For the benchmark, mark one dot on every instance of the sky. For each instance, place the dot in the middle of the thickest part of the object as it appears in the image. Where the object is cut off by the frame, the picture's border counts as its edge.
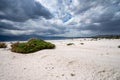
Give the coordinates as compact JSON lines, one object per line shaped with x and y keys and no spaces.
{"x":68,"y":18}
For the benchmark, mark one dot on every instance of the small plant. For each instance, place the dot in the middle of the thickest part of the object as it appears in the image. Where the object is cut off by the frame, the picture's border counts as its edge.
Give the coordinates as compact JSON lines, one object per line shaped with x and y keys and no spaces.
{"x":119,"y":46}
{"x":82,"y":43}
{"x":70,"y":44}
{"x":3,"y":45}
{"x":32,"y":45}
{"x":72,"y":74}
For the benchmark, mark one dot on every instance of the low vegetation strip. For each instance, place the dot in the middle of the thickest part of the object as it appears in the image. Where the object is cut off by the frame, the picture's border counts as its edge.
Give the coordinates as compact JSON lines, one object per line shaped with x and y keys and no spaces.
{"x":3,"y":45}
{"x":32,"y":45}
{"x":69,"y":44}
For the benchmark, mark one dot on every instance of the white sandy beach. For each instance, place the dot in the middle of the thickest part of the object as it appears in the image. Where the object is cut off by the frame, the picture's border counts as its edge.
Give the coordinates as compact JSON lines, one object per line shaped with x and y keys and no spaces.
{"x":95,"y":60}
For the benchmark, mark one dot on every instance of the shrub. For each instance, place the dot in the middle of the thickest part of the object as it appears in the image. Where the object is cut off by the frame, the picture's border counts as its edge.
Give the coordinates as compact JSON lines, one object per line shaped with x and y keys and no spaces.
{"x":82,"y":43}
{"x":70,"y":44}
{"x":32,"y":45}
{"x":119,"y":46}
{"x":3,"y":45}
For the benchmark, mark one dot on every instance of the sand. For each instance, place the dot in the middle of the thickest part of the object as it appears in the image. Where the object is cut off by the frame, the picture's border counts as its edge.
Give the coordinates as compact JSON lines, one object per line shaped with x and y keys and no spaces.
{"x":94,"y":60}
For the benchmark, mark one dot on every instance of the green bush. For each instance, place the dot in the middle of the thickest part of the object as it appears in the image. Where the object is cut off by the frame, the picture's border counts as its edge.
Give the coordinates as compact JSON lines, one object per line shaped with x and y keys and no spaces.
{"x":32,"y":45}
{"x":70,"y":44}
{"x":3,"y":45}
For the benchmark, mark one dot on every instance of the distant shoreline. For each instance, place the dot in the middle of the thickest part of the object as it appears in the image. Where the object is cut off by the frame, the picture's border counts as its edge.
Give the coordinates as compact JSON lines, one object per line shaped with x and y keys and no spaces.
{"x":10,"y":38}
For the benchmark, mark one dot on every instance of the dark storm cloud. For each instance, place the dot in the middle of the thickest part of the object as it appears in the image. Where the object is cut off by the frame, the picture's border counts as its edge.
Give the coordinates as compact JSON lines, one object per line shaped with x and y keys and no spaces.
{"x":104,"y":16}
{"x":107,"y":27}
{"x":112,"y":26}
{"x":7,"y":26}
{"x":22,"y":10}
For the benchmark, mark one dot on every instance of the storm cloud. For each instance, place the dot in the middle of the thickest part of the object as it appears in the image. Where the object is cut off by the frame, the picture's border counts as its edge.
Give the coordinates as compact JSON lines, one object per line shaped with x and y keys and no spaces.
{"x":68,"y":18}
{"x":22,"y":10}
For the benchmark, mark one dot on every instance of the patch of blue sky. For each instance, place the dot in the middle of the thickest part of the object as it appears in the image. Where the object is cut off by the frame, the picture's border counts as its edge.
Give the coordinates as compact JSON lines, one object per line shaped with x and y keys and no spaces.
{"x":67,"y":17}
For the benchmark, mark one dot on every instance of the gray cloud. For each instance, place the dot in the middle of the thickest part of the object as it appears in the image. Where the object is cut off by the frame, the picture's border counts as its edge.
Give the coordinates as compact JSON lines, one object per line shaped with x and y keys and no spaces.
{"x":5,"y":26}
{"x":103,"y":16}
{"x":8,"y":26}
{"x":22,"y":10}
{"x":85,"y":5}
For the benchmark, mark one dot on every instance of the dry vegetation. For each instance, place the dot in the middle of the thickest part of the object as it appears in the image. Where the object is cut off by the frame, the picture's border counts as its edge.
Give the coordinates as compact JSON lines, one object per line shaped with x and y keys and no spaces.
{"x":3,"y":45}
{"x":119,"y":46}
{"x":70,"y":44}
{"x":82,"y":43}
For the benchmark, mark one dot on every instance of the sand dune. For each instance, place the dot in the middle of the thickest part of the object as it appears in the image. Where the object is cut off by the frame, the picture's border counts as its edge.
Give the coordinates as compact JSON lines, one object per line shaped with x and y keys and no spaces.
{"x":94,"y":60}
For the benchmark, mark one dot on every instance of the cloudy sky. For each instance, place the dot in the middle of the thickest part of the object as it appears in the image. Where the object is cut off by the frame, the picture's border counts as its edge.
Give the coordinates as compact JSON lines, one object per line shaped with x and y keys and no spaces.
{"x":69,"y":18}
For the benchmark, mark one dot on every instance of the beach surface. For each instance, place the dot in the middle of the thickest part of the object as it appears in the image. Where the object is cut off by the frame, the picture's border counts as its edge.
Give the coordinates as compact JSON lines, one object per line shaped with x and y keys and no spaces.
{"x":86,"y":59}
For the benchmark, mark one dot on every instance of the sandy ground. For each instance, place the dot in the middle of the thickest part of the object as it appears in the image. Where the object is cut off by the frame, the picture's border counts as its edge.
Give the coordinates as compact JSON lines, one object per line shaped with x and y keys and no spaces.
{"x":95,"y":60}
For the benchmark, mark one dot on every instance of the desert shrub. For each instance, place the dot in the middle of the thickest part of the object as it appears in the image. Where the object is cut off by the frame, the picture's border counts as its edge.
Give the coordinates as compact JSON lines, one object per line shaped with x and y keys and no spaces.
{"x":32,"y":45}
{"x":119,"y":46}
{"x":70,"y":44}
{"x":3,"y":45}
{"x":82,"y":43}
